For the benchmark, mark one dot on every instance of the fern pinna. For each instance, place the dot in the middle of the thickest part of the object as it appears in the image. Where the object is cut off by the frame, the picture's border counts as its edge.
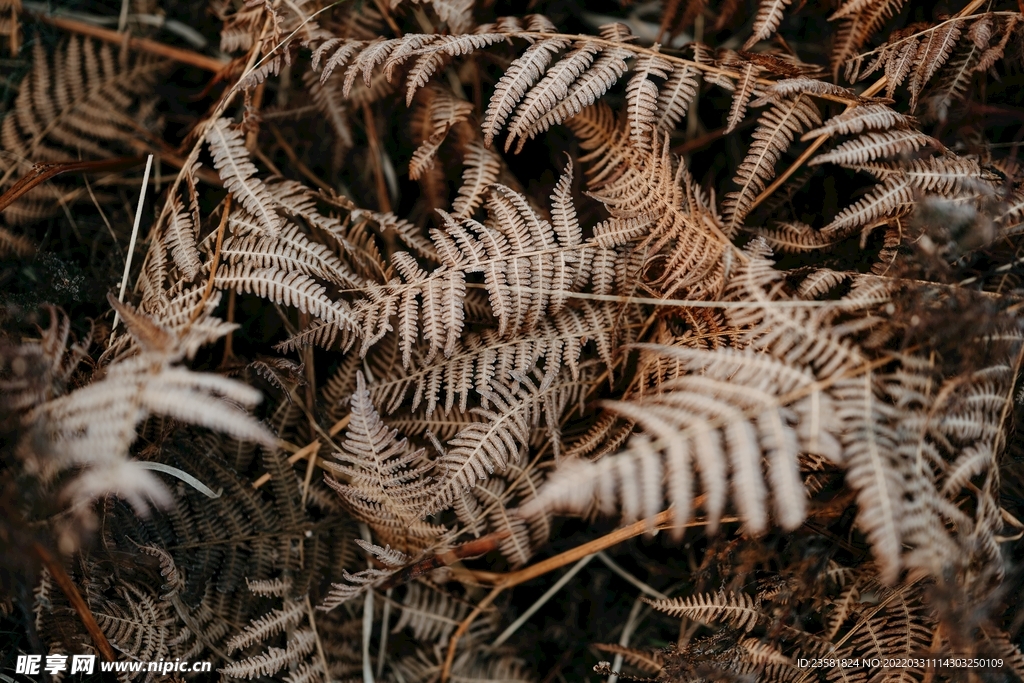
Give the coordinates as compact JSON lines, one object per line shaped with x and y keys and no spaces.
{"x":523,"y":288}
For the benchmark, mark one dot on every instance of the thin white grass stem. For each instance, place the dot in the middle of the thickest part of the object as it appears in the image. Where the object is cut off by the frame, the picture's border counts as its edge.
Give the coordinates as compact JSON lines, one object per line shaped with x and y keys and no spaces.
{"x":514,"y":626}
{"x":135,"y":234}
{"x":364,"y":531}
{"x":615,"y":567}
{"x":385,"y":618}
{"x":627,"y":632}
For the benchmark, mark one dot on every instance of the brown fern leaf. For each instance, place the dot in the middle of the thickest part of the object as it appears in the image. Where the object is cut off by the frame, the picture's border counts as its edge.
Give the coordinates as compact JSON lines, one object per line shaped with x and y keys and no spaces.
{"x":675,"y":97}
{"x":776,"y":130}
{"x":180,"y":239}
{"x":769,"y":16}
{"x":388,"y":482}
{"x":936,"y":47}
{"x":287,"y":288}
{"x":439,"y":112}
{"x":642,"y":98}
{"x":605,"y":71}
{"x":741,"y":97}
{"x":491,"y":446}
{"x":862,"y":118}
{"x":79,"y":102}
{"x":487,"y":358}
{"x":892,"y":195}
{"x":859,"y":20}
{"x":482,"y":167}
{"x":946,"y":175}
{"x":231,"y":159}
{"x":872,"y":145}
{"x":551,"y":91}
{"x":736,"y":609}
{"x":521,"y":75}
{"x":794,"y":238}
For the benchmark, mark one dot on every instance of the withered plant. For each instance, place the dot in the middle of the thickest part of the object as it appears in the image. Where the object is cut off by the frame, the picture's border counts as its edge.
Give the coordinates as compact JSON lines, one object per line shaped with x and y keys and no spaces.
{"x":419,"y":307}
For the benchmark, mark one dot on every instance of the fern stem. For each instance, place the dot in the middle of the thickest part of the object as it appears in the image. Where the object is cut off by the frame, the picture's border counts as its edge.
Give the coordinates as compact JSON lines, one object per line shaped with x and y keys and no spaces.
{"x":319,"y":644}
{"x":214,"y":263}
{"x":56,"y":570}
{"x":144,"y":44}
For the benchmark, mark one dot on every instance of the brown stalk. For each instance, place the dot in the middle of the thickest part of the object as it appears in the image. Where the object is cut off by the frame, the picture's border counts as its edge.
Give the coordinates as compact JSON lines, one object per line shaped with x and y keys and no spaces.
{"x":66,"y":585}
{"x":215,"y":262}
{"x":662,"y":520}
{"x":306,"y":451}
{"x":143,"y":44}
{"x":383,"y":200}
{"x":40,"y":173}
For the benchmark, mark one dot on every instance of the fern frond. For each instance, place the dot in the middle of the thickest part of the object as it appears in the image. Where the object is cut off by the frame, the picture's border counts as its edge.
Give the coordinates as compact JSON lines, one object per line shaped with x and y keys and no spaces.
{"x":79,"y":101}
{"x":286,"y":288}
{"x":231,"y":160}
{"x":289,"y":251}
{"x":551,"y":91}
{"x":861,"y":118}
{"x":736,"y":609}
{"x":482,"y":166}
{"x":794,"y":238}
{"x":675,"y":97}
{"x":642,"y":98}
{"x":300,"y":643}
{"x":892,"y":195}
{"x":685,"y":417}
{"x":429,"y":614}
{"x":268,"y":625}
{"x":180,"y":239}
{"x":439,"y":113}
{"x":388,"y":482}
{"x":520,"y":76}
{"x":769,"y":16}
{"x":872,"y":145}
{"x":490,"y":447}
{"x":776,"y":129}
{"x":605,"y":71}
{"x":489,"y":357}
{"x":741,"y":97}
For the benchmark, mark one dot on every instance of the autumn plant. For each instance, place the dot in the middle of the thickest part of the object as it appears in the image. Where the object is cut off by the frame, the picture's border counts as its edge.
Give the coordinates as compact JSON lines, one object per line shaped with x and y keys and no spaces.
{"x":430,"y":303}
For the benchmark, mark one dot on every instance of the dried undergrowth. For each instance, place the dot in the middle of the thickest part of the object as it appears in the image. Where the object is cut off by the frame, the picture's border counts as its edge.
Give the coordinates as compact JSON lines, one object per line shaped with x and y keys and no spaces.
{"x":746,"y":276}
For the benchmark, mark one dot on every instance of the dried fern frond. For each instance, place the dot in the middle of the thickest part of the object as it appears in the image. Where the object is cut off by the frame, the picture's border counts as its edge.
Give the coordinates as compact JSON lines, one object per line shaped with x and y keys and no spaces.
{"x":720,"y":412}
{"x":289,"y":288}
{"x":872,"y":145}
{"x":489,"y":357}
{"x":513,"y":236}
{"x":769,"y":15}
{"x":738,"y":609}
{"x":231,"y":160}
{"x":81,"y":101}
{"x":92,"y":428}
{"x":491,"y":446}
{"x":388,"y":483}
{"x":521,"y":75}
{"x":440,"y":111}
{"x":862,"y":118}
{"x":892,"y":195}
{"x":776,"y":129}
